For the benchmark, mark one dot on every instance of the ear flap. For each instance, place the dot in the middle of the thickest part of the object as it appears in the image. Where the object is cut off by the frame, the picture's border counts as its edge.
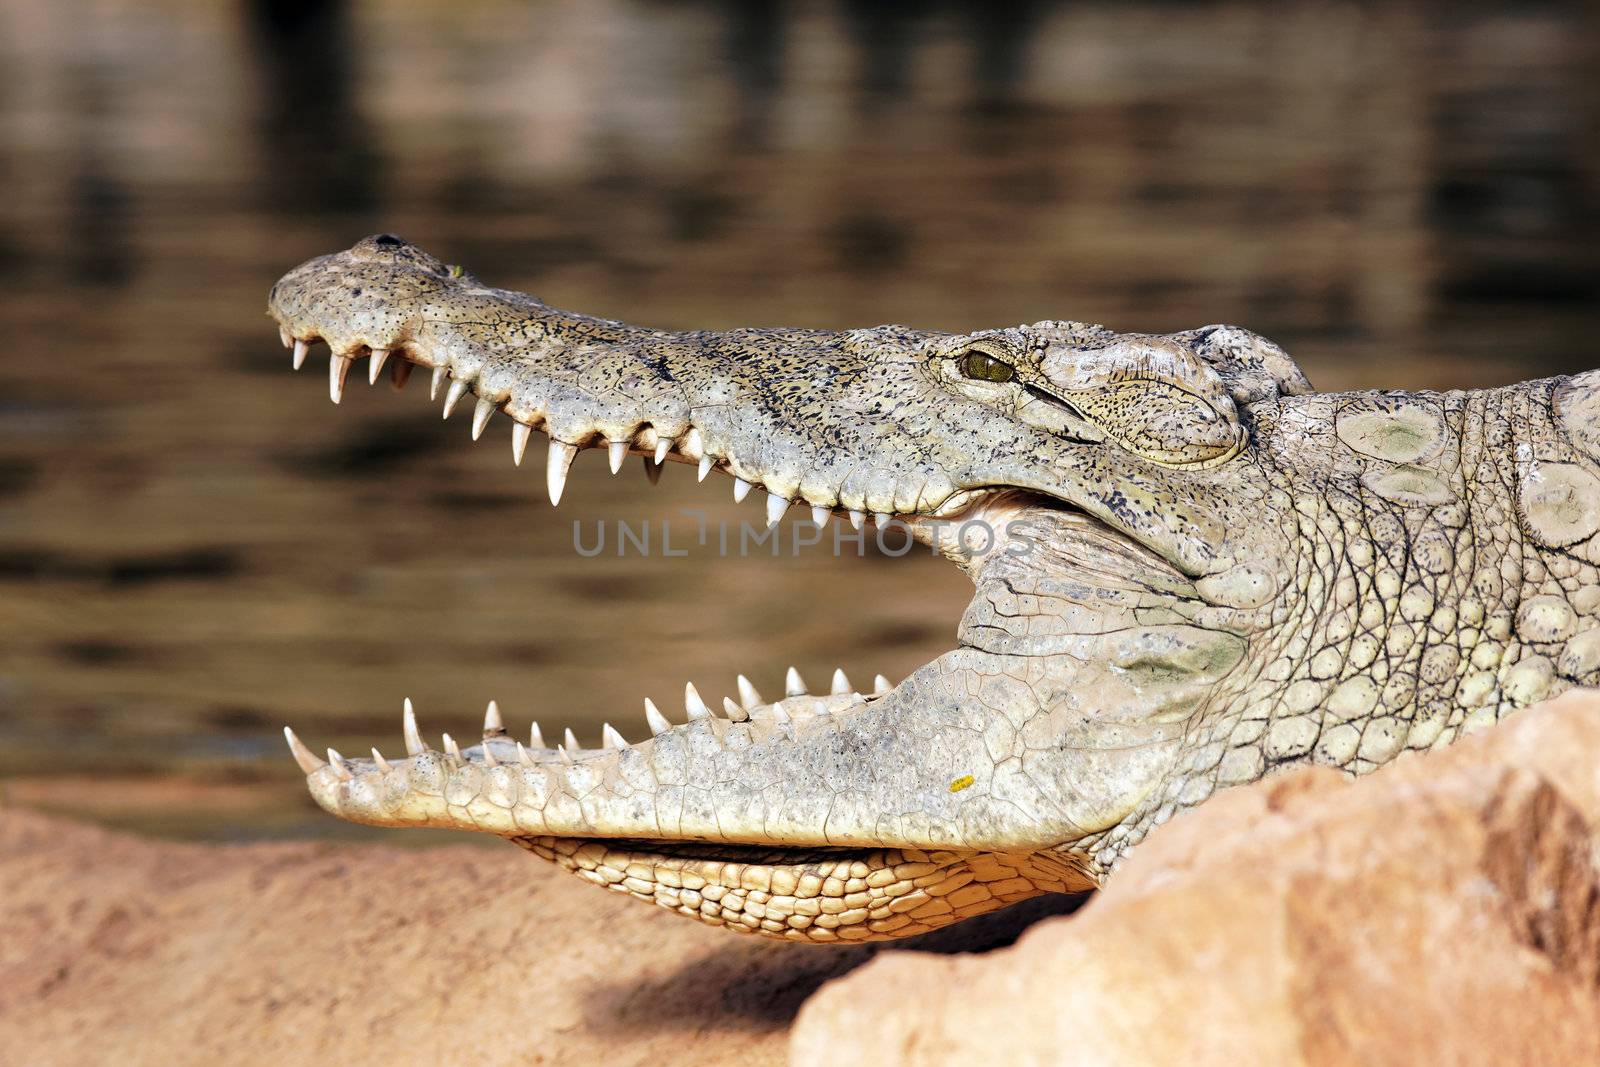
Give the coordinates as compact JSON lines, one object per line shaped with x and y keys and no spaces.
{"x":1253,"y":367}
{"x":1153,"y":396}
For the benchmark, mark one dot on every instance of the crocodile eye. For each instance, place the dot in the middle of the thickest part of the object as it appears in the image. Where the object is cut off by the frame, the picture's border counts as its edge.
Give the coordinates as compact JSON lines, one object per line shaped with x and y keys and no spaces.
{"x":984,"y":367}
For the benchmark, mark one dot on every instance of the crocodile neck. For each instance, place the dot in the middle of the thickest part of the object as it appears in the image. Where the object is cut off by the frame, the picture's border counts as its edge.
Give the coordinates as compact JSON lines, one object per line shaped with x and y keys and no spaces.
{"x":1430,"y":598}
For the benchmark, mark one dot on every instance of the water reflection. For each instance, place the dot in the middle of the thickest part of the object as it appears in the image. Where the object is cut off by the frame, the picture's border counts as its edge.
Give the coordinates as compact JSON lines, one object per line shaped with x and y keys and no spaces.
{"x":195,"y":547}
{"x":310,"y":123}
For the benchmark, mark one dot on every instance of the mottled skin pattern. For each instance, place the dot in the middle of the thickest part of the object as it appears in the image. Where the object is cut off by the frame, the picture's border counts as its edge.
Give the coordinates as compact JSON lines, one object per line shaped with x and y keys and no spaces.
{"x":1201,"y":571}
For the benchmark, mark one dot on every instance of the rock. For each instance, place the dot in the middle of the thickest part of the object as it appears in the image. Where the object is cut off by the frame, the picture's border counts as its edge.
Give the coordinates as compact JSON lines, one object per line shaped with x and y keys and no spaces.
{"x":1445,"y":909}
{"x":119,"y":950}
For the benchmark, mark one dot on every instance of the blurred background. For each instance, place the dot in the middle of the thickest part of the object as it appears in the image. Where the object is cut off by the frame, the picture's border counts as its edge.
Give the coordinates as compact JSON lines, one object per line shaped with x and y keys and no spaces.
{"x":196,"y":547}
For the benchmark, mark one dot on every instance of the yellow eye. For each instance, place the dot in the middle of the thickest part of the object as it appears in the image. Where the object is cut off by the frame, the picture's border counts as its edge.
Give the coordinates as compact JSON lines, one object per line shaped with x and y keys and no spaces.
{"x":984,"y":367}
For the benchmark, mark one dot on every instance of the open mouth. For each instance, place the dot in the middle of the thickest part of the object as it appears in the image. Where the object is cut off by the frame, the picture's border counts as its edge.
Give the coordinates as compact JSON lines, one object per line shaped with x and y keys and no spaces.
{"x":852,"y":892}
{"x":849,"y":814}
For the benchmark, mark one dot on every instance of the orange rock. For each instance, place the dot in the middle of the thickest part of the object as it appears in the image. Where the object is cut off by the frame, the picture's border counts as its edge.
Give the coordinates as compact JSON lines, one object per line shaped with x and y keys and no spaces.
{"x":119,"y":950}
{"x":1443,"y":910}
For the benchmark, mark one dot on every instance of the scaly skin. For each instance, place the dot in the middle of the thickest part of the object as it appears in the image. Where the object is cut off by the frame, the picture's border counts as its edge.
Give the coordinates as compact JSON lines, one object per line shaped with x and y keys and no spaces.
{"x":1200,"y":571}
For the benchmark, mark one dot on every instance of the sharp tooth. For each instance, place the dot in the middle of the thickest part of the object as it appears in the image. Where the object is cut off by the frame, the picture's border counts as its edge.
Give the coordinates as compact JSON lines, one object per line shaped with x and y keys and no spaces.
{"x":841,"y":684}
{"x":663,"y":446}
{"x":450,"y":747}
{"x":523,"y":756}
{"x":493,"y":725}
{"x":611,"y":738}
{"x":882,"y":518}
{"x":300,"y":348}
{"x":377,"y":757}
{"x":566,"y":756}
{"x":793,"y":684}
{"x":338,"y":367}
{"x":734,"y":711}
{"x":408,"y":724}
{"x":439,"y":374}
{"x":480,"y":416}
{"x":557,"y":463}
{"x":706,"y":463}
{"x":652,"y":715}
{"x":652,"y":470}
{"x":748,"y":695}
{"x":616,"y":452}
{"x":520,"y":432}
{"x":819,"y":515}
{"x":340,"y":765}
{"x":691,"y":701}
{"x":380,"y":356}
{"x":741,"y":489}
{"x":307,"y":760}
{"x":453,"y":395}
{"x":488,"y":755}
{"x":570,"y":740}
{"x":776,"y":506}
{"x":284,"y":336}
{"x":693,"y":443}
{"x":880,"y":685}
{"x":856,"y":518}
{"x":536,"y":737}
{"x":780,"y":714}
{"x":400,"y":373}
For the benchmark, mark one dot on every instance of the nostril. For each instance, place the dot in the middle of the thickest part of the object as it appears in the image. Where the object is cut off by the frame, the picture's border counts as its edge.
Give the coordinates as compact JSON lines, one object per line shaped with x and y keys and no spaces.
{"x":387,"y":239}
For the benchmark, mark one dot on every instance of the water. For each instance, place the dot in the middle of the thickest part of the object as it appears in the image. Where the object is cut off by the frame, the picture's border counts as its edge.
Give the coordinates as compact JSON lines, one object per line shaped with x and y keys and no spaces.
{"x":195,"y":547}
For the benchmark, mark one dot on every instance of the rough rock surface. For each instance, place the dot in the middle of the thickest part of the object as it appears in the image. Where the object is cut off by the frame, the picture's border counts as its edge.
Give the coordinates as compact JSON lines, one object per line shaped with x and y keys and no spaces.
{"x":1444,"y":910}
{"x":119,"y":950}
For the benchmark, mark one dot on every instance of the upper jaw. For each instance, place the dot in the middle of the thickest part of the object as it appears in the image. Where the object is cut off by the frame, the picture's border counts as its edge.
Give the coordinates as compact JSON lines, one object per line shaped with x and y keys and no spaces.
{"x":743,"y":403}
{"x":858,"y":422}
{"x":853,"y":422}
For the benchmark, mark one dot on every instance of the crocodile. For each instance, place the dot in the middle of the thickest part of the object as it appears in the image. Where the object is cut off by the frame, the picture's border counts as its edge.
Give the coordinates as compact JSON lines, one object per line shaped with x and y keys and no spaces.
{"x":1191,"y":571}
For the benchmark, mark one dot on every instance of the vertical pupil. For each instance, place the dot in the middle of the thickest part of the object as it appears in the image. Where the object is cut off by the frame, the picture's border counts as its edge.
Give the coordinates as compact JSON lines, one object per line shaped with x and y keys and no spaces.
{"x":986,"y":368}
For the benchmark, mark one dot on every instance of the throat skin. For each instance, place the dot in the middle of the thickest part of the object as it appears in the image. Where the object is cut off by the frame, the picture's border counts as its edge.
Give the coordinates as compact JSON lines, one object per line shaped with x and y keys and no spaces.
{"x":1198,"y":571}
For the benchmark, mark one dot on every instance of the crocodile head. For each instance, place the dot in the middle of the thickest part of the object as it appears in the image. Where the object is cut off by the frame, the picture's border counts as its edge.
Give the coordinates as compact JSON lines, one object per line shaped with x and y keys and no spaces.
{"x":1109,"y":494}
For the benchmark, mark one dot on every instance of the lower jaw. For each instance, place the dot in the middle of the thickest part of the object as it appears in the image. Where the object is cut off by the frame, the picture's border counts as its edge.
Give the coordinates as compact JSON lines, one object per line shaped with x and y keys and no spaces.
{"x":818,"y":896}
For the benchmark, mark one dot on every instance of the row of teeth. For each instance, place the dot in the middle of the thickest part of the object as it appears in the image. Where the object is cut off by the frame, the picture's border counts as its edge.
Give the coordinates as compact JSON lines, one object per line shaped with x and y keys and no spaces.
{"x":494,"y":726}
{"x":561,"y":455}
